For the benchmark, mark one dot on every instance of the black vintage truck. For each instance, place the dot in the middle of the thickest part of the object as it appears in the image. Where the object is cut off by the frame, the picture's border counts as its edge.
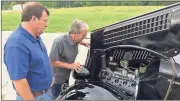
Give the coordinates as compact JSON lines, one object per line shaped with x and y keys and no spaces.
{"x":131,"y":60}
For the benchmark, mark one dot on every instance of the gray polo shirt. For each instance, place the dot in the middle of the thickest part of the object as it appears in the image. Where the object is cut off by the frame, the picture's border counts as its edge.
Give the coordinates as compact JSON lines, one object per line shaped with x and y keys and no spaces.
{"x":63,"y":49}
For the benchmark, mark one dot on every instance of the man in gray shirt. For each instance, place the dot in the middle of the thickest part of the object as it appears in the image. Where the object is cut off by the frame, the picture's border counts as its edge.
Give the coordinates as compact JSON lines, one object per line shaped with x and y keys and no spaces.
{"x":63,"y":54}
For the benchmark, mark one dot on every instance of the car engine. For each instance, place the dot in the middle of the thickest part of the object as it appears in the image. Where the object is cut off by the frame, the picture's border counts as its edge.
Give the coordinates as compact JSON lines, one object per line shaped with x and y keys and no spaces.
{"x":125,"y":69}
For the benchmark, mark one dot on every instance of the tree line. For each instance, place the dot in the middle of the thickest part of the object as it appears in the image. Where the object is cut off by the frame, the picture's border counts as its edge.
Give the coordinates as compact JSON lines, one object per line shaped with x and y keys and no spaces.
{"x":7,"y":5}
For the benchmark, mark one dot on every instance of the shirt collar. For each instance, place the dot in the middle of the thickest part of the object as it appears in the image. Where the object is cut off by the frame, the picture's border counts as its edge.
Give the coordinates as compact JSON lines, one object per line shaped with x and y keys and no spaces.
{"x":28,"y":35}
{"x":69,"y":40}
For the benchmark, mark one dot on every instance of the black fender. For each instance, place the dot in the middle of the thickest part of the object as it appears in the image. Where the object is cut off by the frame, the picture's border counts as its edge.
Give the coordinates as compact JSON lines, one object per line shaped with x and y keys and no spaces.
{"x":88,"y":91}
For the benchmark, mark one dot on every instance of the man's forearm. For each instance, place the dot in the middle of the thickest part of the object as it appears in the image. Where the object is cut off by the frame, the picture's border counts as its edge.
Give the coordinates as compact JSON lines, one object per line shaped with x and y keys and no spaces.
{"x":61,"y":64}
{"x":23,"y":89}
{"x":82,"y":43}
{"x":85,"y":44}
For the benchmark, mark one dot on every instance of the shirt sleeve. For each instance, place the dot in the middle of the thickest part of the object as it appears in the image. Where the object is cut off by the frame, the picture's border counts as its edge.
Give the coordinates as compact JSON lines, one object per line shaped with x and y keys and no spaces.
{"x":17,"y":62}
{"x":56,"y":51}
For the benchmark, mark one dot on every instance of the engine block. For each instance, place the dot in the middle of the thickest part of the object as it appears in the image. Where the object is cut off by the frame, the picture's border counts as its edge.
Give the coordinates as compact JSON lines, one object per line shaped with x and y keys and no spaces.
{"x":128,"y":83}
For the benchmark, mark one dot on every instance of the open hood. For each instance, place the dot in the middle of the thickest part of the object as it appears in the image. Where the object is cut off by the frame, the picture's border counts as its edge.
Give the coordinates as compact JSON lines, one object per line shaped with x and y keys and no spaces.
{"x":158,"y":30}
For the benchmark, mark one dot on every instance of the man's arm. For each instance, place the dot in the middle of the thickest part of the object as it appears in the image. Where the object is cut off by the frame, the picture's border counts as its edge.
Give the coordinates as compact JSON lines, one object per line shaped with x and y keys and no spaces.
{"x":23,"y":89}
{"x":55,"y":53}
{"x":73,"y":66}
{"x":16,"y":59}
{"x":84,"y":44}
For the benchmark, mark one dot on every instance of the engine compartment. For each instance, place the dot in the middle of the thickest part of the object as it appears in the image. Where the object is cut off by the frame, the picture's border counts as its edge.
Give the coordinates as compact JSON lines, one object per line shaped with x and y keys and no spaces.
{"x":126,"y":68}
{"x":126,"y":72}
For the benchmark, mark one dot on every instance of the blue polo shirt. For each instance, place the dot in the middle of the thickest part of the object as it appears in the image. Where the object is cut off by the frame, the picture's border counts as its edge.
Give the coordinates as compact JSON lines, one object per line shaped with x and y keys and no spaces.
{"x":26,"y":57}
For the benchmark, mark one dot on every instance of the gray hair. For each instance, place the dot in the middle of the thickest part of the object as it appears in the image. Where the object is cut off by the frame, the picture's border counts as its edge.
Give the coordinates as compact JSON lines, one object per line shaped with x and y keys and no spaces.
{"x":77,"y":26}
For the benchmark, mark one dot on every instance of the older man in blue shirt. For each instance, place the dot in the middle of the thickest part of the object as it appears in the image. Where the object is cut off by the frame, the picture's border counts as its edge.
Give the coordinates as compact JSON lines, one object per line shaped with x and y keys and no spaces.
{"x":26,"y":58}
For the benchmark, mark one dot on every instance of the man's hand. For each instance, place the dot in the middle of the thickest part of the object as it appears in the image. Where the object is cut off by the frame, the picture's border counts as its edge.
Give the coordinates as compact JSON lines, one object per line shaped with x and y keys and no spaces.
{"x":52,"y":81}
{"x":86,"y":44}
{"x":76,"y":66}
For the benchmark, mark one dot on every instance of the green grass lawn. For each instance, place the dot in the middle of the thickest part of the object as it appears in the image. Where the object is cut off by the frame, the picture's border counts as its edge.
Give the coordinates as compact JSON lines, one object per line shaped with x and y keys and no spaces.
{"x":96,"y":17}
